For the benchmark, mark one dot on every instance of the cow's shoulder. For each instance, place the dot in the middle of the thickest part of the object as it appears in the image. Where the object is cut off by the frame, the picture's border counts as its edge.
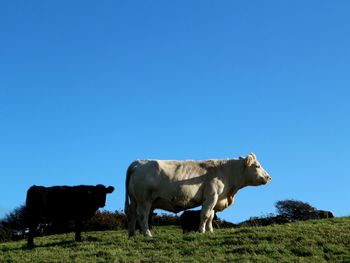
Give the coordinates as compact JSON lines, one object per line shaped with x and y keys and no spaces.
{"x":178,"y":167}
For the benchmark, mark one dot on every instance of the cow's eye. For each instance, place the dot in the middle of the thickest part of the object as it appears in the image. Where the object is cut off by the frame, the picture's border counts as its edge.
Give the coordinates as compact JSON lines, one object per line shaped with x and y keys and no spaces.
{"x":257,"y":166}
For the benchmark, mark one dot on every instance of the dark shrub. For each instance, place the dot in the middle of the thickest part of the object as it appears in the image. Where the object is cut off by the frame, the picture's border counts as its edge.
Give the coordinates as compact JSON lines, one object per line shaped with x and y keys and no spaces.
{"x":16,"y":220}
{"x":13,"y":226}
{"x":5,"y":234}
{"x":264,"y":221}
{"x":294,"y":210}
{"x":166,"y":220}
{"x":220,"y":223}
{"x":106,"y":220}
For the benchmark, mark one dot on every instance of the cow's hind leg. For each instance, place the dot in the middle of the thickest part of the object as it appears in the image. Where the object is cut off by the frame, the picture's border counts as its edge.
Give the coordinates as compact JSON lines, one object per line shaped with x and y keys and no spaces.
{"x":78,"y":228}
{"x":131,"y":216}
{"x":143,"y":211}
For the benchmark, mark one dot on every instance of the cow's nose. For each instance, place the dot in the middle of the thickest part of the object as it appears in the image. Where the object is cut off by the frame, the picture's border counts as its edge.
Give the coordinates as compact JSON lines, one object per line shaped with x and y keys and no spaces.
{"x":268,"y":178}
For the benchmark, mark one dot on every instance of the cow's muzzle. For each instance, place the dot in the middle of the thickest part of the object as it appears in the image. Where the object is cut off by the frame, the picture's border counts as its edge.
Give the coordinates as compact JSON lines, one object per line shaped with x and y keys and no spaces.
{"x":268,"y":178}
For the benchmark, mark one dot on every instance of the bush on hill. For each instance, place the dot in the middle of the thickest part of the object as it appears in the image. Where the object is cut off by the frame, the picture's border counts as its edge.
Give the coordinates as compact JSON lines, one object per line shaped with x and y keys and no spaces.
{"x":12,"y":226}
{"x":294,"y":210}
{"x":288,"y":211}
{"x":106,"y":220}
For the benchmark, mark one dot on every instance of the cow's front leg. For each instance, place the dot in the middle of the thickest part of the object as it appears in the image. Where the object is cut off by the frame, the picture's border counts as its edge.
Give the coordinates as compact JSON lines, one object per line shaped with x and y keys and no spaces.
{"x":207,"y":210}
{"x":209,"y":225}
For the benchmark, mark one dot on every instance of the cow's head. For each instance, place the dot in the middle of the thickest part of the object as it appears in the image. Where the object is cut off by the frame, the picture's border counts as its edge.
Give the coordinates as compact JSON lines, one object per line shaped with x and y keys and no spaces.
{"x":255,"y":174}
{"x":100,"y":194}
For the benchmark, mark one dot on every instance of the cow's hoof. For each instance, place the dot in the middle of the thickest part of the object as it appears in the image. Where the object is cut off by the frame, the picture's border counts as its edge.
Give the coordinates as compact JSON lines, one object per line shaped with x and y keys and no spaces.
{"x":210,"y":230}
{"x":148,"y":234}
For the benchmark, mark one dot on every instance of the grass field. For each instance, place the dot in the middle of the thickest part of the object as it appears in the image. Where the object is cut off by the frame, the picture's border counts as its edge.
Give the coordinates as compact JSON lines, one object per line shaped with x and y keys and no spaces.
{"x":326,"y":240}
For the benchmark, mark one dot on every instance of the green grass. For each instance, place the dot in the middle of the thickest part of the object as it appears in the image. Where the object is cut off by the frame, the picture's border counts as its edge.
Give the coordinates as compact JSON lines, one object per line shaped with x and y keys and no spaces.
{"x":312,"y":241}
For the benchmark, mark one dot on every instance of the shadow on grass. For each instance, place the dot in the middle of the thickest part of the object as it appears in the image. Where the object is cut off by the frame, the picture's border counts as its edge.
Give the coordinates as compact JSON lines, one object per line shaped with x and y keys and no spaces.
{"x":50,"y":244}
{"x":63,"y":244}
{"x":70,"y":243}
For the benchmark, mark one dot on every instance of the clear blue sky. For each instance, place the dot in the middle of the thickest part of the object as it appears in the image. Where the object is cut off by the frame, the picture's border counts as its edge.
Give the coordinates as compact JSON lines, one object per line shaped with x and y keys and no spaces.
{"x":86,"y":87}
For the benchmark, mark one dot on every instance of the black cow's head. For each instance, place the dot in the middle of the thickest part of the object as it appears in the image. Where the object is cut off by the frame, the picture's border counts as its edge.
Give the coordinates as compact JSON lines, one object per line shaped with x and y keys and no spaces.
{"x":99,"y":194}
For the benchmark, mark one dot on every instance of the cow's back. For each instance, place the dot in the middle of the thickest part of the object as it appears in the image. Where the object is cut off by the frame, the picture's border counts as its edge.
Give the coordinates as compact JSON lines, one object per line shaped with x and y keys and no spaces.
{"x":167,"y":173}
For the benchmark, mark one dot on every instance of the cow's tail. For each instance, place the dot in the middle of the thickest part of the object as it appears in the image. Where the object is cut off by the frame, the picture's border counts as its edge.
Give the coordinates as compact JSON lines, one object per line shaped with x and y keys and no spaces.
{"x":130,"y":170}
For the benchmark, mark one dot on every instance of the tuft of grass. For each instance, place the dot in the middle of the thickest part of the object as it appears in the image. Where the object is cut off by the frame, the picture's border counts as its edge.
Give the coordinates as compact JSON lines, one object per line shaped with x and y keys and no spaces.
{"x":311,"y":241}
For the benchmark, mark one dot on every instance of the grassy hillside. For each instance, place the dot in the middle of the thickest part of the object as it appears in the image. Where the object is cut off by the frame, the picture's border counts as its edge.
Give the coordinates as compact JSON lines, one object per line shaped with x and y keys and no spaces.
{"x":312,"y":241}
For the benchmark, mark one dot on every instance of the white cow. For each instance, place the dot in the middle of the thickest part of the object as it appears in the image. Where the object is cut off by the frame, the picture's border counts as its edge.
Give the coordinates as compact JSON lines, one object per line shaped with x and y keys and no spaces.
{"x":179,"y":185}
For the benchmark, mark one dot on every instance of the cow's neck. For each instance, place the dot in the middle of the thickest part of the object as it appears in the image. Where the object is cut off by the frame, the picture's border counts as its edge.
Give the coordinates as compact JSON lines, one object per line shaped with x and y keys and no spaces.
{"x":234,"y":169}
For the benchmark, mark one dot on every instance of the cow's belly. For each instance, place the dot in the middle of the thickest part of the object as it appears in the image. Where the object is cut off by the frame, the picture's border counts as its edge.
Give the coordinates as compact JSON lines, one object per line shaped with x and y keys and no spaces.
{"x":178,"y":198}
{"x":174,"y":207}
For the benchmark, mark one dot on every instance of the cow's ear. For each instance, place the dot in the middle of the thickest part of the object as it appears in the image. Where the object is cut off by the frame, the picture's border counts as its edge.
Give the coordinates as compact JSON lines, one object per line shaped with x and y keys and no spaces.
{"x":250,"y":159}
{"x":109,"y":189}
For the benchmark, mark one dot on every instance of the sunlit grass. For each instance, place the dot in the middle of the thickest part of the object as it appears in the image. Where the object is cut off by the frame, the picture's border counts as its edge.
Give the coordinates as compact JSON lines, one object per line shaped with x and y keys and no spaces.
{"x":312,"y":241}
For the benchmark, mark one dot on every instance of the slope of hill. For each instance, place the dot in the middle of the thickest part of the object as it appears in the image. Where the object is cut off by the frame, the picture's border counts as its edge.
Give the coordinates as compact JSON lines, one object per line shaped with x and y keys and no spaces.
{"x":311,"y":241}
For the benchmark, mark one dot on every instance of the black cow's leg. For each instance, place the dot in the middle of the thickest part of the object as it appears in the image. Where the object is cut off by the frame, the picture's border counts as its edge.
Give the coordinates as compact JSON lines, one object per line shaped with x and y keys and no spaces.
{"x":78,"y":227}
{"x":32,"y":228}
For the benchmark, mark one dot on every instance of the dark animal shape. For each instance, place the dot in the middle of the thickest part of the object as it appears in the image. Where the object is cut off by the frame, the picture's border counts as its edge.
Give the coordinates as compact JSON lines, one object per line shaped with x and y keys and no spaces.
{"x":190,"y":220}
{"x":325,"y":214}
{"x":62,"y":204}
{"x":317,"y":214}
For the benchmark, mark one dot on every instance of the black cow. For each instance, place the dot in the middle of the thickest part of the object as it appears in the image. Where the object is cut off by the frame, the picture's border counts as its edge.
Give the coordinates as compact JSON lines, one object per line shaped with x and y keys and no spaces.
{"x":59,"y":204}
{"x":190,"y":220}
{"x":324,"y":214}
